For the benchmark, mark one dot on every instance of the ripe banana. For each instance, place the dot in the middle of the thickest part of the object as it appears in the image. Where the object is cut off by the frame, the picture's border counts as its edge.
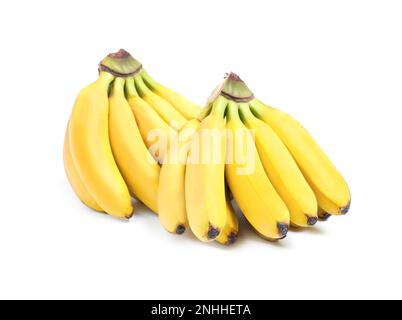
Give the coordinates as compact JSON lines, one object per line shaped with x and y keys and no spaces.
{"x":155,"y":132}
{"x":229,"y":233}
{"x":330,"y":188}
{"x":282,"y":171}
{"x":205,"y":179}
{"x":74,"y":179}
{"x":166,"y":111}
{"x":188,"y":109}
{"x":171,"y":198}
{"x":91,"y":151}
{"x":139,"y":169}
{"x":251,"y":188}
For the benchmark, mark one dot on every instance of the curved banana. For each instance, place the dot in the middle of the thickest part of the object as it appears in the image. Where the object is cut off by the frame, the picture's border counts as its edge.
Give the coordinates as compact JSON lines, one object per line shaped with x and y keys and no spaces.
{"x":167,"y":112}
{"x":251,"y":188}
{"x":205,"y":178}
{"x":282,"y":171}
{"x":330,"y":188}
{"x":155,"y":132}
{"x":230,"y":232}
{"x":74,"y":179}
{"x":139,"y":169}
{"x":91,"y":151}
{"x":171,"y":198}
{"x":188,"y":109}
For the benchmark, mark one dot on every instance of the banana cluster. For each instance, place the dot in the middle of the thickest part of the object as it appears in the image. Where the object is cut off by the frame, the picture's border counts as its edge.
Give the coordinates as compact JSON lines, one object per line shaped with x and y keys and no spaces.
{"x":106,"y":149}
{"x":130,"y":137}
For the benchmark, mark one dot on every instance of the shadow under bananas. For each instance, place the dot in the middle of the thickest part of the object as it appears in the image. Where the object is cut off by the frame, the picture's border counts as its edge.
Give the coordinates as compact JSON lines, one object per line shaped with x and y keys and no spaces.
{"x":313,"y":230}
{"x":246,"y":231}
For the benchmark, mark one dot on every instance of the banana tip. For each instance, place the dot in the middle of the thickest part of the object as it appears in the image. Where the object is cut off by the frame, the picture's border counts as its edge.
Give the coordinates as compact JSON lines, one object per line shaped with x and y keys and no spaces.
{"x":180,"y":229}
{"x":213,"y":232}
{"x":232,"y":238}
{"x":283,"y":229}
{"x":311,"y":221}
{"x":345,"y":209}
{"x":130,"y":215}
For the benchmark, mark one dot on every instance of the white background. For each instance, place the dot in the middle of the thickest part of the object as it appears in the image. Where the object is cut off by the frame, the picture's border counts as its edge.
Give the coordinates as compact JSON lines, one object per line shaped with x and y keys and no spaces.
{"x":334,"y":65}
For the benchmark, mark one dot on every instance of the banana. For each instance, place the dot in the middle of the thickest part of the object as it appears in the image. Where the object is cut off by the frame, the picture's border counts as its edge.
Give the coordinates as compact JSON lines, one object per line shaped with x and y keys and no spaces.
{"x":91,"y":151}
{"x":251,"y":188}
{"x":188,"y":109}
{"x":155,"y":132}
{"x":282,"y":171}
{"x":166,"y":111}
{"x":74,"y":179}
{"x":230,"y":232}
{"x":331,"y":190}
{"x":139,"y":169}
{"x":204,"y":177}
{"x":171,"y":198}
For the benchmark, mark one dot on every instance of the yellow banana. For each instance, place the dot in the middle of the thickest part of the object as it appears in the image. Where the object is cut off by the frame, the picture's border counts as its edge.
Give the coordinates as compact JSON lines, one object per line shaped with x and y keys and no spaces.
{"x":282,"y":171}
{"x":330,"y":188}
{"x":166,"y":111}
{"x":251,"y":188}
{"x":188,"y":109}
{"x":139,"y":169}
{"x":230,"y":231}
{"x":75,"y":180}
{"x":155,"y":132}
{"x":91,"y":151}
{"x":205,"y":179}
{"x":171,"y":198}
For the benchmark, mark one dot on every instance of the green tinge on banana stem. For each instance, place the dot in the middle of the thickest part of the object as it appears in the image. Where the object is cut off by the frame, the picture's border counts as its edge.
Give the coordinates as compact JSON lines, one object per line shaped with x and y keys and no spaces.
{"x":120,"y":64}
{"x":234,"y":88}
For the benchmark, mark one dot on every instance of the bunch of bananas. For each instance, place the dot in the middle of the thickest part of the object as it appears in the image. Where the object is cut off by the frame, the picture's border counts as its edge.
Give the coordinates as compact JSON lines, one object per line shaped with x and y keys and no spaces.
{"x":129,"y":136}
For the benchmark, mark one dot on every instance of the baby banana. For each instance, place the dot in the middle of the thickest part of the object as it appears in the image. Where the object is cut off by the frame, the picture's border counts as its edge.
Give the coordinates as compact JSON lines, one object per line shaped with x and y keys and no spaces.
{"x":251,"y":188}
{"x":155,"y":132}
{"x":139,"y":169}
{"x":330,"y":188}
{"x":171,"y":198}
{"x":282,"y":171}
{"x":205,"y":178}
{"x":91,"y":151}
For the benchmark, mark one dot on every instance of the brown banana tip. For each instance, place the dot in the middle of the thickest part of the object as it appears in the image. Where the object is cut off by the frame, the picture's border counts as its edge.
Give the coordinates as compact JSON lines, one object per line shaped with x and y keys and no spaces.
{"x":121,"y":54}
{"x":283,"y":229}
{"x":180,"y":229}
{"x":213,"y":232}
{"x":311,"y":221}
{"x":232,"y":238}
{"x":345,"y":210}
{"x":324,"y":216}
{"x":130,"y":215}
{"x":283,"y":237}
